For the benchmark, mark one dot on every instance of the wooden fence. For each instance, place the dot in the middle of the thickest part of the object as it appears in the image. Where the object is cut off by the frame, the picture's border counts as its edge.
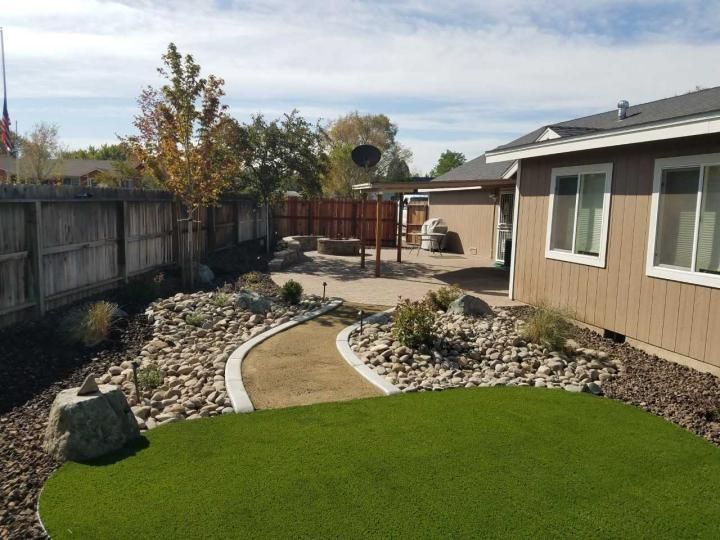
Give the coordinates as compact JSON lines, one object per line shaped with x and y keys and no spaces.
{"x":336,"y":218}
{"x":60,"y":244}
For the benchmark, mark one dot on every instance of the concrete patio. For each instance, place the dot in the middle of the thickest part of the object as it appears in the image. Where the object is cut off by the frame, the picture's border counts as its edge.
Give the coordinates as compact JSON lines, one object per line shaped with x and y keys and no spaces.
{"x":417,"y":274}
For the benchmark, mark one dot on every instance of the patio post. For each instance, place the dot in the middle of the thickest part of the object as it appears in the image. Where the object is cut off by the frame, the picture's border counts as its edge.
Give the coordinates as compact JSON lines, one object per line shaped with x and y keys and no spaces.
{"x":378,"y":231}
{"x":363,"y":198}
{"x":400,"y":205}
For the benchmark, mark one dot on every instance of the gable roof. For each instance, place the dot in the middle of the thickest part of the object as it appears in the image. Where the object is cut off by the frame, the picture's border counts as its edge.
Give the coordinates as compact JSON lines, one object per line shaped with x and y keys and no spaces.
{"x":684,"y":107}
{"x":476,"y":169}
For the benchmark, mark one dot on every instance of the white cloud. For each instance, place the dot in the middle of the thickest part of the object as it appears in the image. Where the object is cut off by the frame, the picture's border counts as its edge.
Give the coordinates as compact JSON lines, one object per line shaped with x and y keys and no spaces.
{"x":469,"y":71}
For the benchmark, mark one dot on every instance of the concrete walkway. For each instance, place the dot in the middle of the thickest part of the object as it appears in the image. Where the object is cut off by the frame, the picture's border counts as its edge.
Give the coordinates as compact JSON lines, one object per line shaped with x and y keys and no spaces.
{"x":302,"y":365}
{"x":411,"y":279}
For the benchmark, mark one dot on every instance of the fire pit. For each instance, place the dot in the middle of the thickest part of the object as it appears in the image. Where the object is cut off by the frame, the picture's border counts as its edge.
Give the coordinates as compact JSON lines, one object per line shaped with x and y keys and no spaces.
{"x":339,"y":246}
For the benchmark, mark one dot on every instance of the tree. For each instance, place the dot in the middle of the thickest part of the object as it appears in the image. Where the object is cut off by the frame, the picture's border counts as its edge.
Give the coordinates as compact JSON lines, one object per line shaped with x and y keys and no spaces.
{"x":178,"y":127}
{"x":346,"y":133}
{"x":397,"y":170}
{"x":111,"y":152}
{"x":447,"y":162}
{"x":277,"y":156}
{"x":41,"y":154}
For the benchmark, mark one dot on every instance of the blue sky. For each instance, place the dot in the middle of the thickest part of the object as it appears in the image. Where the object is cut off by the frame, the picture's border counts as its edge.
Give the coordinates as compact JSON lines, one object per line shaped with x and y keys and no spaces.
{"x":453,"y":74}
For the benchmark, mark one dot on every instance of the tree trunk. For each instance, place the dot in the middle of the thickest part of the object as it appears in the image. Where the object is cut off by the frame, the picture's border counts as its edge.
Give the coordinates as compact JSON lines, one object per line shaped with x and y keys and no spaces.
{"x":190,"y":255}
{"x":267,"y":228}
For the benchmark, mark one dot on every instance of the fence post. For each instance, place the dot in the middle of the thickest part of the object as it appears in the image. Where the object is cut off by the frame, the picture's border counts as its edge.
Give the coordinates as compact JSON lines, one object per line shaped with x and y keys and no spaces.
{"x":37,"y":249}
{"x":398,"y":239}
{"x":122,"y":239}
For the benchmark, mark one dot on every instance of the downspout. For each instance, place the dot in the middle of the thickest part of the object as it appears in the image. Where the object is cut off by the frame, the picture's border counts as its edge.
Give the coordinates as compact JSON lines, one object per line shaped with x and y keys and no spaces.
{"x":513,"y":249}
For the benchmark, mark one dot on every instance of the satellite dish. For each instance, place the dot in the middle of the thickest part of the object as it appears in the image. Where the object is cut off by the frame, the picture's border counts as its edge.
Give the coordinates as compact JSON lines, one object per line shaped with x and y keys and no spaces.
{"x":366,"y":155}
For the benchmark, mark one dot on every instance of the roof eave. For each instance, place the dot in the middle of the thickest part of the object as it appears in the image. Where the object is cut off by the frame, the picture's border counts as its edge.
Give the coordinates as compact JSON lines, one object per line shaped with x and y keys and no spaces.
{"x":679,"y":127}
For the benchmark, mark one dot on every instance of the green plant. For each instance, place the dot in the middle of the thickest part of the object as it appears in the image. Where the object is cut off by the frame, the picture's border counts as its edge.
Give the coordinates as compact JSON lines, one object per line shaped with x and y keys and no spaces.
{"x":220,"y":299}
{"x":90,"y":324}
{"x":413,"y":325}
{"x":149,"y":377}
{"x":547,"y":326}
{"x":441,"y":299}
{"x":252,"y":278}
{"x":291,"y":292}
{"x":195,"y":319}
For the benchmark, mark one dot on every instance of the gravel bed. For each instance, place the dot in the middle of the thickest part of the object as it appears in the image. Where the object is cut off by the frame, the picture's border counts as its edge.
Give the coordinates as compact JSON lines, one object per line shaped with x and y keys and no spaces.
{"x":481,"y":351}
{"x":487,"y":351}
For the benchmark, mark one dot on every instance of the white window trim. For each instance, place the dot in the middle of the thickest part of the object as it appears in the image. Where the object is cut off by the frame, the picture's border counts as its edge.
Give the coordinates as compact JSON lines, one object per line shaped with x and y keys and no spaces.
{"x":675,"y":274}
{"x":589,"y":260}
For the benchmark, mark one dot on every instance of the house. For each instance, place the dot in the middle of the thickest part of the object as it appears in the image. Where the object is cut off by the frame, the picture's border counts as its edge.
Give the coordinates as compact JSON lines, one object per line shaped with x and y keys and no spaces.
{"x":73,"y":172}
{"x":617,"y":219}
{"x":478,"y":215}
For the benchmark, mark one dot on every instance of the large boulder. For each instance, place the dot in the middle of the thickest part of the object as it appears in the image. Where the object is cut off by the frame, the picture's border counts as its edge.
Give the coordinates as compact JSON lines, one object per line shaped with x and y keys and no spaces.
{"x":469,"y":305}
{"x":83,"y":427}
{"x":253,"y":302}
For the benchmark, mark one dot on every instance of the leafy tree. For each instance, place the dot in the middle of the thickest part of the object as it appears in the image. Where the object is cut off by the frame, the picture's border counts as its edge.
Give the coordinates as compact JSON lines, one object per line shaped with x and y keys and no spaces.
{"x":351,"y":130}
{"x":112,"y":152}
{"x":448,"y":161}
{"x":178,"y":127}
{"x":41,"y":154}
{"x":276,"y":156}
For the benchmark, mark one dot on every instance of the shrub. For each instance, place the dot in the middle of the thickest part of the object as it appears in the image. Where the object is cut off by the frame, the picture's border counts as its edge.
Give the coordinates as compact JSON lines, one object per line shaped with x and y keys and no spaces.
{"x":149,"y":377}
{"x":291,"y":292}
{"x":548,"y":327}
{"x":220,"y":299}
{"x":91,"y":324}
{"x":441,"y":299}
{"x":195,"y":319}
{"x":252,"y":277}
{"x":414,"y":323}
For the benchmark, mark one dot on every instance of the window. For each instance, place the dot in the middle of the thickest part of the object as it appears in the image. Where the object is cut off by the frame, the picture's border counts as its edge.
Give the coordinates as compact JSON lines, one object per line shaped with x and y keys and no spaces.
{"x":684,"y":243}
{"x":578,"y":214}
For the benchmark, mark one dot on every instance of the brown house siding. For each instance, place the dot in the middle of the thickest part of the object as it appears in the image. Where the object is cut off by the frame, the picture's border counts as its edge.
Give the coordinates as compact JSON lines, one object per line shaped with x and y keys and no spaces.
{"x":471,"y":218}
{"x":675,"y":316}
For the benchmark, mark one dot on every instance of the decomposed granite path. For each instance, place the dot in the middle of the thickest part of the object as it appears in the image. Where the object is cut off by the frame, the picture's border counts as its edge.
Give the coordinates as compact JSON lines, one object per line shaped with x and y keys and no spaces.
{"x":302,"y":365}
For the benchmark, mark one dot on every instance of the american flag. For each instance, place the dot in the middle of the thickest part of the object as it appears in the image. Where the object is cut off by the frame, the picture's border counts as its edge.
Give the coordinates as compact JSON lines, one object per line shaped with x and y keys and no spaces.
{"x":6,"y":140}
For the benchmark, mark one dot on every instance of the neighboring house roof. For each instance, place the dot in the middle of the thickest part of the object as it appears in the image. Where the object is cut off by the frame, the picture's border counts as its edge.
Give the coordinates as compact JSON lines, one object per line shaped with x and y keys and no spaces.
{"x":70,"y":167}
{"x":680,"y":111}
{"x":476,"y":169}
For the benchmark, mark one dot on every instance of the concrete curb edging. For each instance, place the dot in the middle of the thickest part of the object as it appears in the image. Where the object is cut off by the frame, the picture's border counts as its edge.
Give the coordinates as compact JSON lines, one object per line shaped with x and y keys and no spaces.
{"x":343,"y":346}
{"x":233,"y":368}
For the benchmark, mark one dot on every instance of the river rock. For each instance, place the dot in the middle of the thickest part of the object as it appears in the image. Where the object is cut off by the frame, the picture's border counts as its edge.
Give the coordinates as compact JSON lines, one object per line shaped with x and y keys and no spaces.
{"x":81,"y":428}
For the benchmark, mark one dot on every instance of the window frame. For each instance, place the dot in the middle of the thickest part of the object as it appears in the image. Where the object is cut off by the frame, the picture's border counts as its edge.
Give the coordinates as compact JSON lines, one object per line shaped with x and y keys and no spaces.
{"x":676,"y":274}
{"x":579,"y":170}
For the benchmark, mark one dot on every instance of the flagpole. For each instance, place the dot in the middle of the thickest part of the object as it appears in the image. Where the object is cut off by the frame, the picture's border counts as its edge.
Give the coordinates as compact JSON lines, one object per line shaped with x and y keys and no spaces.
{"x":2,"y":49}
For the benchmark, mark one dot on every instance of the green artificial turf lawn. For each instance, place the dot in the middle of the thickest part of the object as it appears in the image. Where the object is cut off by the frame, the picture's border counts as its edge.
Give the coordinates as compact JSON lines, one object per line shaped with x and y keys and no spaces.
{"x":497,"y":462}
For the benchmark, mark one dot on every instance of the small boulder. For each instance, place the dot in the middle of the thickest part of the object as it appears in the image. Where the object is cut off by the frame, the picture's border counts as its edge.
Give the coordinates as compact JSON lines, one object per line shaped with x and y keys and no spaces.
{"x":469,"y":305}
{"x":204,"y":274}
{"x":253,"y":302}
{"x":83,"y":427}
